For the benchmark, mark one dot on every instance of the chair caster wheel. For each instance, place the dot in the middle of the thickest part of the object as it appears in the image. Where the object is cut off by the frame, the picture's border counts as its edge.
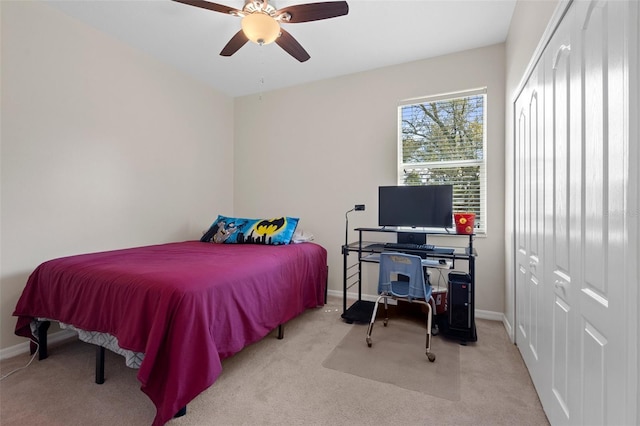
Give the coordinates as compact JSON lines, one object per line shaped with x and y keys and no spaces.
{"x":369,"y":341}
{"x":385,"y":322}
{"x":432,"y":357}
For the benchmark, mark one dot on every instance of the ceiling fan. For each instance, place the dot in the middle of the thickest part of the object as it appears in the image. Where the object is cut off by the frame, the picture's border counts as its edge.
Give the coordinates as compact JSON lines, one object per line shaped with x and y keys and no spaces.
{"x":261,"y":22}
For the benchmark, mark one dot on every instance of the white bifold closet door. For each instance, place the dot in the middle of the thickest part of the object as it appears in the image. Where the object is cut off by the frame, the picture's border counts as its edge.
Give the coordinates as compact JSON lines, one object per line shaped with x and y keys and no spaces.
{"x":576,"y":321}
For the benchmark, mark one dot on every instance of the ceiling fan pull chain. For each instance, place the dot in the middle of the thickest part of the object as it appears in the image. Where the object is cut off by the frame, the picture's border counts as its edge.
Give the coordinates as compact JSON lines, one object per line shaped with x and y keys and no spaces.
{"x":261,"y":88}
{"x":261,"y":68}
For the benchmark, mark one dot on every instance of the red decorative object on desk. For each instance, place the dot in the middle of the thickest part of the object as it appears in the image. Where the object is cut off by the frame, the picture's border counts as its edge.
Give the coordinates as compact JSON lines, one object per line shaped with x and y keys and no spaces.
{"x":464,"y":222}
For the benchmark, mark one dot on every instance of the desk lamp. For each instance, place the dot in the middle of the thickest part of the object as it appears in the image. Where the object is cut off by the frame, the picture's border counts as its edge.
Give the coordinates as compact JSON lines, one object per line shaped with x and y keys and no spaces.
{"x":358,"y":208}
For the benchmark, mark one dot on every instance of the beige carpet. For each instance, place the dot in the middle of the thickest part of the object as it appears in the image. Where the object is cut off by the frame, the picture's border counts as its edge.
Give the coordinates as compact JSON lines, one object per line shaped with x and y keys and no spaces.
{"x":278,"y":382}
{"x":398,"y":357}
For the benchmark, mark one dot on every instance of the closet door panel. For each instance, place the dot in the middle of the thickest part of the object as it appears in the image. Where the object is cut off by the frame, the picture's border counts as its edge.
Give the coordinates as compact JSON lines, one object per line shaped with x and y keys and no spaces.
{"x":560,"y":83}
{"x":532,"y":315}
{"x":529,"y":291}
{"x":602,"y":33}
{"x":558,"y":270}
{"x":595,"y":159}
{"x":538,"y":313}
{"x":522,"y":254}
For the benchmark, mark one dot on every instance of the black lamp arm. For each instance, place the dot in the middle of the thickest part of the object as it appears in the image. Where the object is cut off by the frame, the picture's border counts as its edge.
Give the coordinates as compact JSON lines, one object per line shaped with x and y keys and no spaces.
{"x":357,"y":207}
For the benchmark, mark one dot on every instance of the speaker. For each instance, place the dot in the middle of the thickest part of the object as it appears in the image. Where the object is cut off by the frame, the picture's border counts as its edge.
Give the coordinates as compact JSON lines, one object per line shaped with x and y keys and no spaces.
{"x":460,"y":307}
{"x":412,"y":237}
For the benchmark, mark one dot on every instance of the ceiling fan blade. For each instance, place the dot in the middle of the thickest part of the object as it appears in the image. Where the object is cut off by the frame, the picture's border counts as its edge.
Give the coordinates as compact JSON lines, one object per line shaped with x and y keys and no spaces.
{"x":315,"y":11}
{"x":209,"y":5}
{"x":236,"y":42}
{"x":291,"y":46}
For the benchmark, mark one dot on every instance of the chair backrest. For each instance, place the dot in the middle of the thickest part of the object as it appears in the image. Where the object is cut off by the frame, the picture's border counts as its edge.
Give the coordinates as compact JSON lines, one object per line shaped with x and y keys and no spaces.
{"x":409,"y":265}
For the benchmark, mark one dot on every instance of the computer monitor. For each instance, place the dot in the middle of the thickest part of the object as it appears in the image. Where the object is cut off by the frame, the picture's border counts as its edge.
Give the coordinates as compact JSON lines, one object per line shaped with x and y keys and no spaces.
{"x":416,"y":206}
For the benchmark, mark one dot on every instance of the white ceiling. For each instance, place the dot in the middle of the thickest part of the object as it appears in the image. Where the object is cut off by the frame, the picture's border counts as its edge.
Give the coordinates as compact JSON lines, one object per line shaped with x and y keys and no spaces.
{"x":375,"y":33}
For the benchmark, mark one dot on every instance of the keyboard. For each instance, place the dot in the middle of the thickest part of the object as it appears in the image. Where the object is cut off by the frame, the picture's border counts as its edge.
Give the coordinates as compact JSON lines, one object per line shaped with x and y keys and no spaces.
{"x":409,"y":246}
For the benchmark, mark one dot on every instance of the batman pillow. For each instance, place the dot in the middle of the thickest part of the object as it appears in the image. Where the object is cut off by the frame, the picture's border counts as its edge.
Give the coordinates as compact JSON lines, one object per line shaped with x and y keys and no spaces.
{"x":233,"y":230}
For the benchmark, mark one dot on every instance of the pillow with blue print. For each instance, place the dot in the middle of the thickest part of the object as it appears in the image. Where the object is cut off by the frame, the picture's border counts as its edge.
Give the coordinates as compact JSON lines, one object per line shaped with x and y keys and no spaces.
{"x":233,"y":230}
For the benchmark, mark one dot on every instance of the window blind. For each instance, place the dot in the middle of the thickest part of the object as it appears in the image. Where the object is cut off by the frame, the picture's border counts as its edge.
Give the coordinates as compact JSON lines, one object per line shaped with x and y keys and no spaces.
{"x":442,"y":141}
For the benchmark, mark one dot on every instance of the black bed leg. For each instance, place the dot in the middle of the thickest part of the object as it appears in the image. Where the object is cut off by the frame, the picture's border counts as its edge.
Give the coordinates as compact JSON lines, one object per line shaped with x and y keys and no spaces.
{"x":181,"y":412}
{"x":99,"y":365}
{"x":280,"y":332}
{"x":42,"y":341}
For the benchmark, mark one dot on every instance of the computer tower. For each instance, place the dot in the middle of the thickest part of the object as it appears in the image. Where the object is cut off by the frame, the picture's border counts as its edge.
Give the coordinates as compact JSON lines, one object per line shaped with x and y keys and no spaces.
{"x":459,"y":300}
{"x":460,"y":315}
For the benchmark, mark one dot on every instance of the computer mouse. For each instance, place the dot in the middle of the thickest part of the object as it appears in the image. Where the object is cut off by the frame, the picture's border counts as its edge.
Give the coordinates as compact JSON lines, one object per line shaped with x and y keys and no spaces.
{"x":442,"y":261}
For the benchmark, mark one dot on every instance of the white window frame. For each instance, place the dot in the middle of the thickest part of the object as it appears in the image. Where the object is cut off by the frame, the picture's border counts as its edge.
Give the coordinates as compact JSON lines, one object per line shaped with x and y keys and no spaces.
{"x":481,"y":221}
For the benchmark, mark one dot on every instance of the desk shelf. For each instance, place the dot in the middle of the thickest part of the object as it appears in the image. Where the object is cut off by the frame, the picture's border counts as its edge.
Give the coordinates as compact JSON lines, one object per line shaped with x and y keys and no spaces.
{"x":369,"y":252}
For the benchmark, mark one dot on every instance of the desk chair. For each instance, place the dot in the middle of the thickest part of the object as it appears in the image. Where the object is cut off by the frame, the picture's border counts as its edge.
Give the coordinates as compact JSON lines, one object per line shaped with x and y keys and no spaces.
{"x":416,"y":290}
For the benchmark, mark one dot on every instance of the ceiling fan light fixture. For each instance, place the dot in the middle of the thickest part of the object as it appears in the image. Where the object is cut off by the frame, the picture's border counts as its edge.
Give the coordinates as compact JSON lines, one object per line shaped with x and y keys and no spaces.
{"x":260,"y":28}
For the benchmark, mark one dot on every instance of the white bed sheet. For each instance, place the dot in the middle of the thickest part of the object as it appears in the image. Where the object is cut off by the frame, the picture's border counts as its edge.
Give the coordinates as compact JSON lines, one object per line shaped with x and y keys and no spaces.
{"x":106,"y":340}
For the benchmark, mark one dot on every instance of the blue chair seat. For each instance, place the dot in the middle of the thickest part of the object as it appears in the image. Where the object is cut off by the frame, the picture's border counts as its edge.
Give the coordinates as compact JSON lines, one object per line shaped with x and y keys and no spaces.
{"x":413,"y":288}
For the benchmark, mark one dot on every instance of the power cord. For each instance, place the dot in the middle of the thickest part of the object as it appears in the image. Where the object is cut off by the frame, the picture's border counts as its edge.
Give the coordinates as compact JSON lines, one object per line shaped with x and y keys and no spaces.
{"x":28,"y":364}
{"x":440,"y":279}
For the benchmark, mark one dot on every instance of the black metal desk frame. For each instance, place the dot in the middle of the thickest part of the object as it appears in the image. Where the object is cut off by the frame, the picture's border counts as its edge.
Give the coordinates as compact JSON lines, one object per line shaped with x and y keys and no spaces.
{"x":361,"y":310}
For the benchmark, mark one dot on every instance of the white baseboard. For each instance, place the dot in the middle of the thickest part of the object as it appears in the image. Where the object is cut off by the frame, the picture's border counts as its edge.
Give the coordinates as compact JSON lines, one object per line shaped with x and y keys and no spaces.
{"x":509,"y":328}
{"x":489,"y":315}
{"x":479,"y":313}
{"x":22,"y":348}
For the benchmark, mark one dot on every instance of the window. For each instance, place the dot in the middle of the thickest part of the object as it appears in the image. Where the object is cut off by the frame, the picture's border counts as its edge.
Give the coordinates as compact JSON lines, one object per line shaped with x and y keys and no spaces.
{"x":442,"y":141}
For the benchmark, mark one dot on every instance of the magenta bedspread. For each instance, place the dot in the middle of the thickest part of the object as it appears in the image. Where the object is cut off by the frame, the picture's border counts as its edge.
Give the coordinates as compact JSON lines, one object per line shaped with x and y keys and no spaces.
{"x":186,"y":305}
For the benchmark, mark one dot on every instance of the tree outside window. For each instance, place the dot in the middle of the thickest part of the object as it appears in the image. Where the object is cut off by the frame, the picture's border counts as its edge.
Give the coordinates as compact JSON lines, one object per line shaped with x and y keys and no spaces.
{"x":442,"y":141}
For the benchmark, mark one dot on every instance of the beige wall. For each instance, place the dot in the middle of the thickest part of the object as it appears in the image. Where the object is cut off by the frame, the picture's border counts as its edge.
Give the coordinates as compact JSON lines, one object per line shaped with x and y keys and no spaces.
{"x":315,"y":150}
{"x":102,"y":148}
{"x":528,"y":24}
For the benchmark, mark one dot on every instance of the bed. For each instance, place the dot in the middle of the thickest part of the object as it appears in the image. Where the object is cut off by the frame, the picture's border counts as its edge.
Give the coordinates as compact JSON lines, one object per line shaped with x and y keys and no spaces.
{"x":185,"y":306}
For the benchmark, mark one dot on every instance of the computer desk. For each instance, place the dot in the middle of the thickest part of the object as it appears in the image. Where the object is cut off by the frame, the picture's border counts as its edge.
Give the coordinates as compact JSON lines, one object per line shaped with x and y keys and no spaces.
{"x":460,"y":326}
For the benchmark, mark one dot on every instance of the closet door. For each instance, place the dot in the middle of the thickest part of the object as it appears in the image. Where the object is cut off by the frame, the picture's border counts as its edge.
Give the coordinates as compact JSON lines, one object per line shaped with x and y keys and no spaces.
{"x":531,"y":311}
{"x":576,"y":320}
{"x":600,"y":36}
{"x":562,"y":216}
